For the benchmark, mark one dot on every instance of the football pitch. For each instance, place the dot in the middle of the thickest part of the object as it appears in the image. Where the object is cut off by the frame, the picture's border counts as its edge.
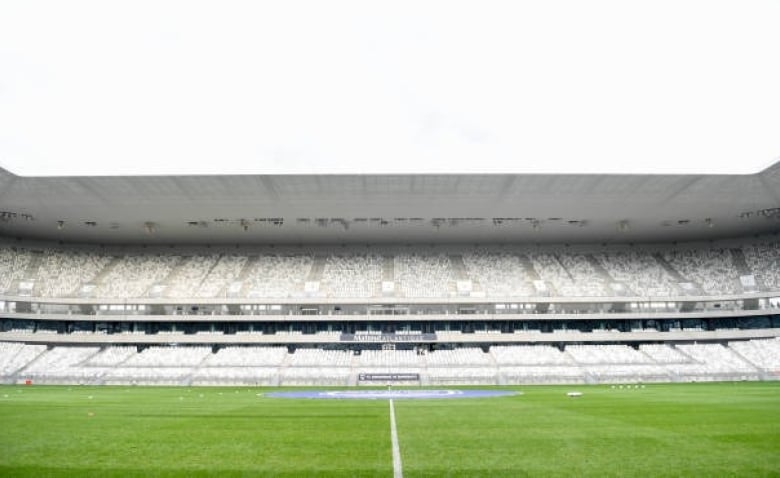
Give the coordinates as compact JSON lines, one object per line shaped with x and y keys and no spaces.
{"x":713,"y":430}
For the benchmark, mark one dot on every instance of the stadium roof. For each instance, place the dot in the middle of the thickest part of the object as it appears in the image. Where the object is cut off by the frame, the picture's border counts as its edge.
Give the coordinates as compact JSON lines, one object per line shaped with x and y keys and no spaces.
{"x":307,"y":121}
{"x":390,"y":208}
{"x":179,"y":87}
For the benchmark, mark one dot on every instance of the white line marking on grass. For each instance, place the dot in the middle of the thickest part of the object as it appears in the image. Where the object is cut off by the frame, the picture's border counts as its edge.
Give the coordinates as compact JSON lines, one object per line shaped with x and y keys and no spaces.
{"x":398,"y":471}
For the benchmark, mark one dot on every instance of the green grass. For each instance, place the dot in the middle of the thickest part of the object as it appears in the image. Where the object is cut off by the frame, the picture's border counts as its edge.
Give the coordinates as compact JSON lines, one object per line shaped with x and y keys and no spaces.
{"x":728,"y":429}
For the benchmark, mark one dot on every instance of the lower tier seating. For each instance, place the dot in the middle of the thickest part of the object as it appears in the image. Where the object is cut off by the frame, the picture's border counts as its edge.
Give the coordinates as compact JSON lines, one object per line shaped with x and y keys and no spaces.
{"x":272,"y":366}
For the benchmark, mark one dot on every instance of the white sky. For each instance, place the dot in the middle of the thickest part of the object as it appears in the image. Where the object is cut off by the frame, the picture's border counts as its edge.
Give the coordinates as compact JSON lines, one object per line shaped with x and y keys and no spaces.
{"x":322,"y":86}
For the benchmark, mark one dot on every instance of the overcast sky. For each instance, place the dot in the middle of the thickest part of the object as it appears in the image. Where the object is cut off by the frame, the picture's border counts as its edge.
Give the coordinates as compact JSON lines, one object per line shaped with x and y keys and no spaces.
{"x":223,"y":87}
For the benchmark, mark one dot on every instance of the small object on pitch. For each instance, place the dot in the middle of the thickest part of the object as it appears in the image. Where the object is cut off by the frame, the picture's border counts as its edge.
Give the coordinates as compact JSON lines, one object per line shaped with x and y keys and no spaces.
{"x":574,"y":394}
{"x":90,"y":397}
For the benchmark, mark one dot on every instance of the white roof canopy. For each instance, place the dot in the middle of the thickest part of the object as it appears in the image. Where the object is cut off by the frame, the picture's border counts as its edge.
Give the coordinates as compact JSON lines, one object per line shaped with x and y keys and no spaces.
{"x":390,"y":208}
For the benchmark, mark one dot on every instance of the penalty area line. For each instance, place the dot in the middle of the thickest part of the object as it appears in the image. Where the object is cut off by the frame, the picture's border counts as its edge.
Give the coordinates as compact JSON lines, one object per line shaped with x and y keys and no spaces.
{"x":398,"y":471}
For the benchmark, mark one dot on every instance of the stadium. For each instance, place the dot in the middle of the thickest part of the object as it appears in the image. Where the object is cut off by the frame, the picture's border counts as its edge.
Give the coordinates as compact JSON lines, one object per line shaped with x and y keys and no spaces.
{"x":334,"y":297}
{"x":182,"y":322}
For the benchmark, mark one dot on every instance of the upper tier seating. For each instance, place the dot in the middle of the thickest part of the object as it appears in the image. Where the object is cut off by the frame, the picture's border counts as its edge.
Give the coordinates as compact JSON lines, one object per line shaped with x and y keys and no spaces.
{"x":423,"y":275}
{"x":353,"y":276}
{"x":61,"y":273}
{"x":185,"y":280}
{"x":226,"y":270}
{"x":711,"y":269}
{"x":499,"y":274}
{"x":13,"y":265}
{"x":764,"y":260}
{"x":503,"y":272}
{"x":643,"y":275}
{"x":277,"y":275}
{"x":133,"y":276}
